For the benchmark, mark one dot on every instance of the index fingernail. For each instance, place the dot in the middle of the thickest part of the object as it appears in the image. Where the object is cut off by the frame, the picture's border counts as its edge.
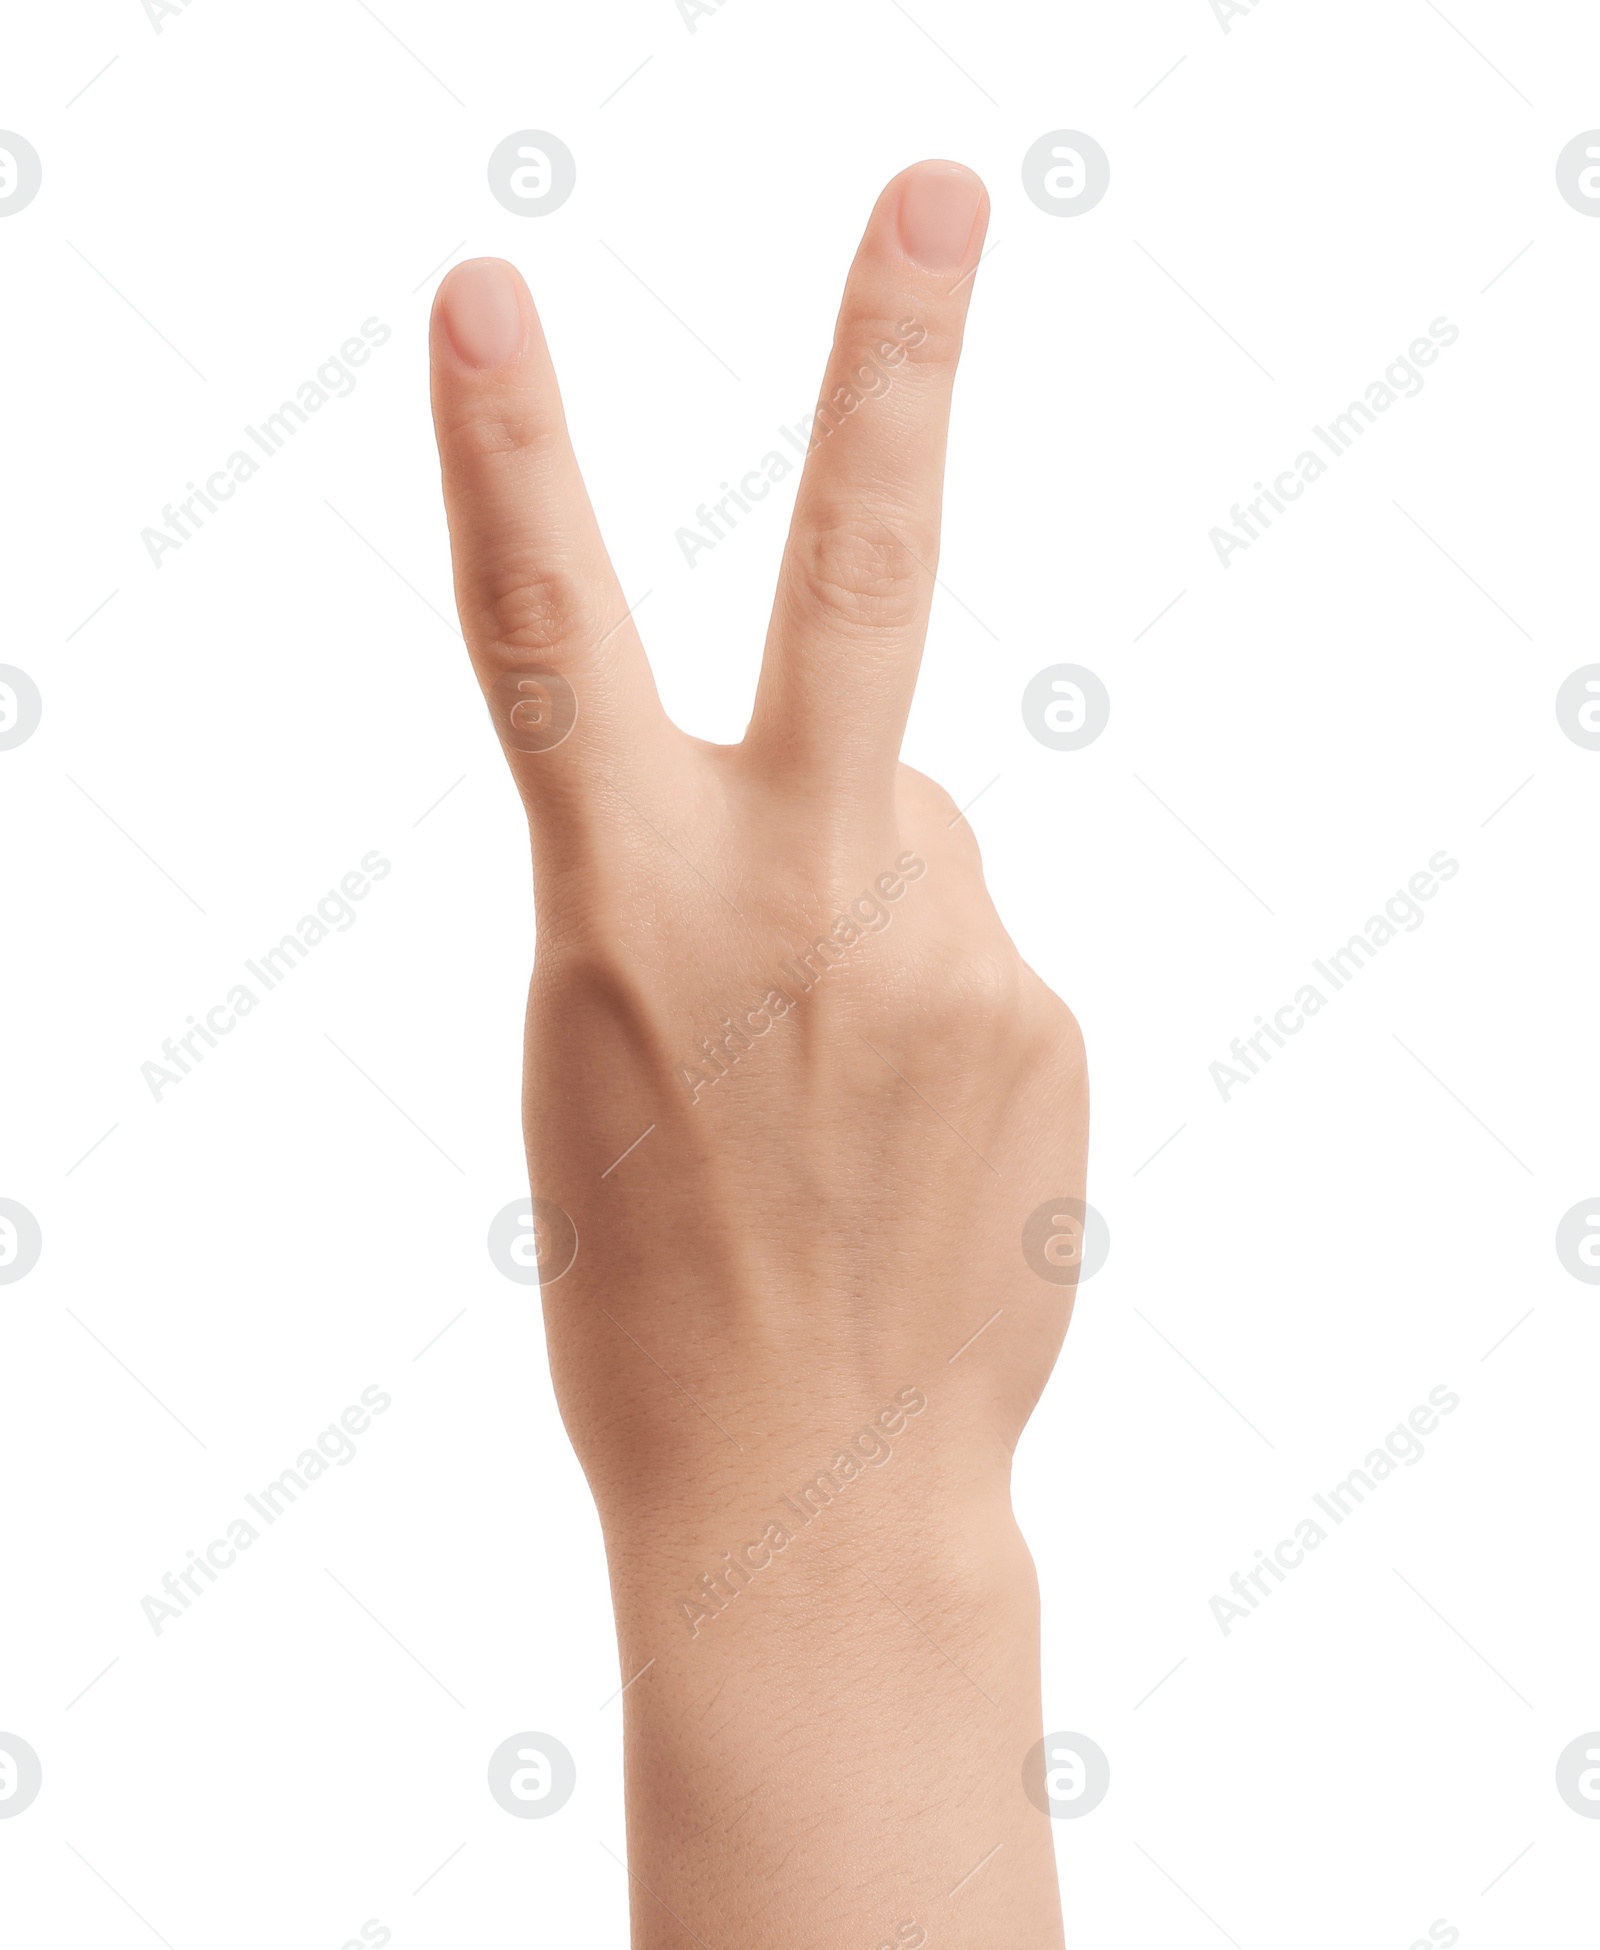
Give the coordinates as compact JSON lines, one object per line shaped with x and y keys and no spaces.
{"x":481,"y":313}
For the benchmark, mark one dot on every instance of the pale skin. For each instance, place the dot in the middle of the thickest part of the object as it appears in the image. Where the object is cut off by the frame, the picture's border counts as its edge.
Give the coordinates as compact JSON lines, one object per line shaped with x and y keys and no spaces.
{"x":830,"y":1204}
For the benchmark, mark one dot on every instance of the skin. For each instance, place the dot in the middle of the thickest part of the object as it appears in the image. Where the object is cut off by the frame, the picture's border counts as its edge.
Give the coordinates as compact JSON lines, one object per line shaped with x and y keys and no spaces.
{"x":810,"y":1237}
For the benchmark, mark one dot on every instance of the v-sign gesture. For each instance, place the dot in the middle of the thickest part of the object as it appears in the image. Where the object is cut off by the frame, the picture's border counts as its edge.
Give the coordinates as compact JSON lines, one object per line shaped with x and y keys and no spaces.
{"x":800,"y":1100}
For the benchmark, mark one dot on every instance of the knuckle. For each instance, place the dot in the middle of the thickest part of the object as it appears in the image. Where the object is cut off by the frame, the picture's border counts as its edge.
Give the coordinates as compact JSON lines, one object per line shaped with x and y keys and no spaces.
{"x":1059,"y":1034}
{"x":965,"y":998}
{"x":927,"y":797}
{"x":880,"y":348}
{"x":981,"y":989}
{"x":475,"y":438}
{"x":532,"y":612}
{"x":856,"y":574}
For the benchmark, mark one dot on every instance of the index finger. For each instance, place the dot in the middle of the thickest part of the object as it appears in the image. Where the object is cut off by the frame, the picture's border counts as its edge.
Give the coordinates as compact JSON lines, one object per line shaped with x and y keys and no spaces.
{"x":545,"y":620}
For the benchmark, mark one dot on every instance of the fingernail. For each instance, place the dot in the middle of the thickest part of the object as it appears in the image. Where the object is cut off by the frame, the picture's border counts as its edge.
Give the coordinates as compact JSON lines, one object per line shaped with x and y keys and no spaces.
{"x":938,"y":209}
{"x":479,"y":305}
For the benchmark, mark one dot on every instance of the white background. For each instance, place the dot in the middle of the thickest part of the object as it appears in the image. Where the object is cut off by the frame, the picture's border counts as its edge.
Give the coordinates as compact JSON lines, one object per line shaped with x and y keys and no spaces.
{"x":231,"y":1266}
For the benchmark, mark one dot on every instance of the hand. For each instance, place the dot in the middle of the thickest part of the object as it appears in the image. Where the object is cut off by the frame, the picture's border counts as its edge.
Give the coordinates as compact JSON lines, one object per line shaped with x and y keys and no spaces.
{"x":799,"y":1095}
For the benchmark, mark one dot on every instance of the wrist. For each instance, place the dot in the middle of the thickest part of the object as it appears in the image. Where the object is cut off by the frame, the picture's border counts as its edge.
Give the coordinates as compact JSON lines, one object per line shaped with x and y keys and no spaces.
{"x":686,"y":1544}
{"x":747,"y":1567}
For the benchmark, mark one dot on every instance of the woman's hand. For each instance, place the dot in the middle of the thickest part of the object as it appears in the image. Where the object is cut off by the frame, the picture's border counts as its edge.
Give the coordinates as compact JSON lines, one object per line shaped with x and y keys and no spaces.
{"x":792,"y":1085}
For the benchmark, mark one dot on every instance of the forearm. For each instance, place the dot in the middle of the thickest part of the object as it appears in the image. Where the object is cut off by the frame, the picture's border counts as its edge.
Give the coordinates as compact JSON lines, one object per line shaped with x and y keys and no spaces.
{"x":826,"y":1736}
